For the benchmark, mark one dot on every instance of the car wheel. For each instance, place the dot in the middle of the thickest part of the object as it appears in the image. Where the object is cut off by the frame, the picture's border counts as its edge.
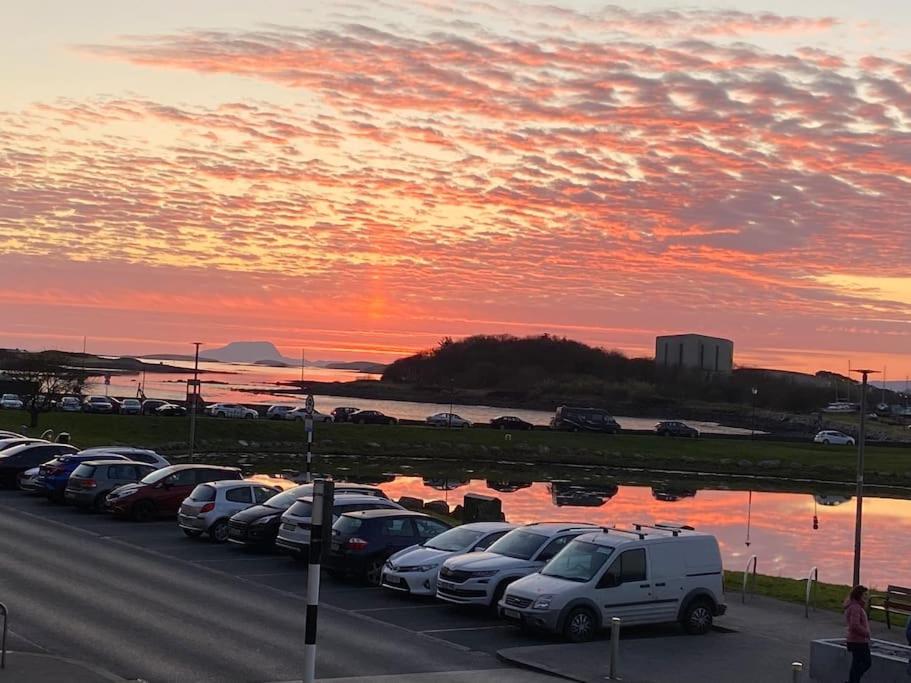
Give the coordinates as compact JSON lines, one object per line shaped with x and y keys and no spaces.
{"x":825,"y":442}
{"x":697,"y":618}
{"x":361,"y":422}
{"x":190,"y":533}
{"x":143,"y":510}
{"x":218,"y":532}
{"x":502,"y":428}
{"x":98,"y":503}
{"x":580,"y":625}
{"x":220,"y":414}
{"x":374,"y":572}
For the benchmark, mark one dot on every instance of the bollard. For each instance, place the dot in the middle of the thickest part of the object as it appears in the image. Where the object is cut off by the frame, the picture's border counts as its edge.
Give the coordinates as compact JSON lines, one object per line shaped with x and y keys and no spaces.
{"x":614,"y":647}
{"x":796,"y":668}
{"x":5,"y":614}
{"x":321,"y":520}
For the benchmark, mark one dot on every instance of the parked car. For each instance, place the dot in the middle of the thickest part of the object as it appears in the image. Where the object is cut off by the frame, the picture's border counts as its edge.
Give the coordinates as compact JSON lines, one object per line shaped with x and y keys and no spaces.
{"x":130,"y":406}
{"x":150,"y":405}
{"x":160,"y":493}
{"x":278,"y":412}
{"x":258,"y":525}
{"x":665,"y":575}
{"x":27,"y":481}
{"x":373,"y":417}
{"x":363,"y":541}
{"x":97,"y":404}
{"x":343,"y":413}
{"x":6,"y":444}
{"x":835,"y":438}
{"x":232,"y":410}
{"x":92,"y":480}
{"x":54,"y":474}
{"x":11,"y":402}
{"x":447,"y":420}
{"x":143,"y":455}
{"x":511,"y":422}
{"x":18,"y":459}
{"x":482,"y":578}
{"x":209,"y":507}
{"x":574,"y":419}
{"x":70,"y":404}
{"x":6,"y":434}
{"x":170,"y":410}
{"x":415,"y":570}
{"x":301,"y":414}
{"x":676,"y":428}
{"x":294,"y":532}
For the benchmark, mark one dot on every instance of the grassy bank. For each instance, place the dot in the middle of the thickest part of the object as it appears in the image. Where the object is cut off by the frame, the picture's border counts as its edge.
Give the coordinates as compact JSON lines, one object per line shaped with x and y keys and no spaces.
{"x":885,"y":466}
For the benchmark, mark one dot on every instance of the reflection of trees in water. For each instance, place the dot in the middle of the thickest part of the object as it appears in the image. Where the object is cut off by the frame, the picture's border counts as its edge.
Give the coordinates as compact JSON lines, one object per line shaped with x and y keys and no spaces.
{"x":830,"y":500}
{"x":369,"y":478}
{"x":670,"y":494}
{"x":507,"y":486}
{"x":445,"y":484}
{"x":564,"y":493}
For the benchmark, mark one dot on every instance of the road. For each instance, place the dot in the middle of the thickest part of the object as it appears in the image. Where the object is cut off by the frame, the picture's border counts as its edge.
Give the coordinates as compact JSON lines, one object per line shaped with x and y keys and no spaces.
{"x":143,"y":601}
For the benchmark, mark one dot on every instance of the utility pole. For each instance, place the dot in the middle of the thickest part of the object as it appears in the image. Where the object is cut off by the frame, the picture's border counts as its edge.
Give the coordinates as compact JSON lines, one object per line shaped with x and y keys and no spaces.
{"x":194,"y":398}
{"x":451,"y":398}
{"x":754,"y":391}
{"x":858,"y":521}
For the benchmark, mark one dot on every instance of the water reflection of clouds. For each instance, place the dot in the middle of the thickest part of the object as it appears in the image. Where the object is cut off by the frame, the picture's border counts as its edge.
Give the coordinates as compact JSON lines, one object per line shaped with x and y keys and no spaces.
{"x":781,"y":525}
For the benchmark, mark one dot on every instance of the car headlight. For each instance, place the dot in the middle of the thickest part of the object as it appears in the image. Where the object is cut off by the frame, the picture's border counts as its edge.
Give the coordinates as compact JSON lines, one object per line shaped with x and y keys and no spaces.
{"x":543,"y":602}
{"x":266,"y":520}
{"x":480,"y":575}
{"x":124,"y":494}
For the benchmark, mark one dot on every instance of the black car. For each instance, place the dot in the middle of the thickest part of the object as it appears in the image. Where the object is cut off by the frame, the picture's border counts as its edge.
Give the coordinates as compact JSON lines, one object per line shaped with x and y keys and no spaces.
{"x":674,"y":428}
{"x":17,"y":459}
{"x":362,"y":541}
{"x":510,"y":422}
{"x":576,"y":419}
{"x":257,"y":526}
{"x":150,"y":405}
{"x":343,"y":414}
{"x":372,"y":417}
{"x":171,"y":410}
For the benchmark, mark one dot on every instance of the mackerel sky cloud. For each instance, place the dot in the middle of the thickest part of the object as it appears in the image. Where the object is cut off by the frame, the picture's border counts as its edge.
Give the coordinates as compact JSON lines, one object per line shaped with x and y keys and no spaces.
{"x":367,"y":180}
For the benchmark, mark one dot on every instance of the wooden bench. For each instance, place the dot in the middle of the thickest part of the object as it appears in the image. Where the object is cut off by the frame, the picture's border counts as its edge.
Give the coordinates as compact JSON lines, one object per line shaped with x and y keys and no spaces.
{"x":896,"y":600}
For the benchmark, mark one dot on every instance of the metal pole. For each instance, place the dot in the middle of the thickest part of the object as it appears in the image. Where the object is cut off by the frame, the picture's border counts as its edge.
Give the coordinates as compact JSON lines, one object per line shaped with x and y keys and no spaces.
{"x":614,"y":647}
{"x":451,"y":396}
{"x":754,"y":391}
{"x":5,"y":613}
{"x":858,"y":521}
{"x":796,"y":669}
{"x":323,"y":499}
{"x":193,"y":401}
{"x":309,"y":427}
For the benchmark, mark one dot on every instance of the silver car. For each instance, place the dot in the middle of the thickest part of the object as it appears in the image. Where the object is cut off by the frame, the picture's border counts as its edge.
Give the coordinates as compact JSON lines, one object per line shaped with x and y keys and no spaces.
{"x":210,"y":506}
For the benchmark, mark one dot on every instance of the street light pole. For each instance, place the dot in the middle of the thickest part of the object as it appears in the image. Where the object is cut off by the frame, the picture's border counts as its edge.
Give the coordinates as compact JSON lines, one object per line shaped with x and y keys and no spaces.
{"x":861,"y":437}
{"x":194,"y":394}
{"x":754,"y":391}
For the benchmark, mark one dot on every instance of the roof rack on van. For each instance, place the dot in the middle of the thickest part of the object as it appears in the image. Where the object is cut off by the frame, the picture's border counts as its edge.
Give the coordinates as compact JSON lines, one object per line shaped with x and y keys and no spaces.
{"x":673,"y":530}
{"x":639,"y":533}
{"x":562,"y":523}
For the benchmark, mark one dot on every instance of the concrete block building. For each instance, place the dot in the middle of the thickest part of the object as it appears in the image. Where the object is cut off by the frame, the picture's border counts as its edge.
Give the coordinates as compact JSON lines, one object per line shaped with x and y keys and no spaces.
{"x":695,"y":352}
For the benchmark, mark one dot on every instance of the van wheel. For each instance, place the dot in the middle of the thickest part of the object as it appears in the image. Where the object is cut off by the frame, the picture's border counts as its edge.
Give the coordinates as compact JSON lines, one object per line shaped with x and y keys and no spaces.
{"x":697,"y":618}
{"x":143,"y":510}
{"x":218,"y":532}
{"x":579,"y":626}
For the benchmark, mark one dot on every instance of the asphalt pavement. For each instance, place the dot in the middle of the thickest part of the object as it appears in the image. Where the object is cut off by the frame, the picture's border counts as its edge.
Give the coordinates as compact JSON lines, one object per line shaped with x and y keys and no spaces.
{"x":144,"y":602}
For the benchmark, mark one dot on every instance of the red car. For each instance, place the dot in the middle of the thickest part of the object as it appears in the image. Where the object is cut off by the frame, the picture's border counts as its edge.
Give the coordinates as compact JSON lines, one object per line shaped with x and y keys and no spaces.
{"x":160,"y":493}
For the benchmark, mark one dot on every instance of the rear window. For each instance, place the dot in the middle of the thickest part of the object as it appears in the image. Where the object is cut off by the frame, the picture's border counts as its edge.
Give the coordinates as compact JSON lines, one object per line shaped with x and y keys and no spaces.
{"x":203,"y":494}
{"x":84,"y":471}
{"x":301,"y":509}
{"x":348,"y":525}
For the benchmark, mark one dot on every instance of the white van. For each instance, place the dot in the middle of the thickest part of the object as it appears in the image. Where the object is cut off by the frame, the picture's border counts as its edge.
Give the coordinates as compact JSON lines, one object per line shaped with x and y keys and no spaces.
{"x":645,"y":575}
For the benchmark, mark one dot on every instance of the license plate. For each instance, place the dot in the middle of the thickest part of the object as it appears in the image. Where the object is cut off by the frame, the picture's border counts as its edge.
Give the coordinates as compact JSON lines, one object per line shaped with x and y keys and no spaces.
{"x":445,"y":585}
{"x":512,"y":614}
{"x":392,"y":580}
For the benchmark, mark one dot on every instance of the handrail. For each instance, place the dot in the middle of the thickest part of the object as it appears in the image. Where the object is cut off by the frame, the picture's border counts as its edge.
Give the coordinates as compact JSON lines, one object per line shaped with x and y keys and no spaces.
{"x":812,"y":581}
{"x":746,"y":575}
{"x":5,"y":613}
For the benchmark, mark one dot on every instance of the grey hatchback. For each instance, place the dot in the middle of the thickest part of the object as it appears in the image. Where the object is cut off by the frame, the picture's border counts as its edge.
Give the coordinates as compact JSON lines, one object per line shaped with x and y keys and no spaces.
{"x":93,"y":480}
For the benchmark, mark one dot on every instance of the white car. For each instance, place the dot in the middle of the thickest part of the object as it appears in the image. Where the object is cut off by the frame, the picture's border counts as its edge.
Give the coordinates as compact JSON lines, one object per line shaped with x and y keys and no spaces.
{"x":18,"y":441}
{"x":832,"y":437}
{"x":28,"y":480}
{"x":301,"y":414}
{"x":143,"y":455}
{"x":415,"y":570}
{"x":70,"y":404}
{"x":482,"y":578}
{"x":646,"y":575}
{"x":11,"y":402}
{"x":277,"y":412}
{"x":209,"y":507}
{"x":294,"y":532}
{"x":447,"y":420}
{"x":232,"y":410}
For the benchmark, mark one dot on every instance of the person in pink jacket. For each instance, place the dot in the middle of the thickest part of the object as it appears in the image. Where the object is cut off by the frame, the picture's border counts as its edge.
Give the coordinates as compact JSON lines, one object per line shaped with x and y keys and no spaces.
{"x":858,"y":638}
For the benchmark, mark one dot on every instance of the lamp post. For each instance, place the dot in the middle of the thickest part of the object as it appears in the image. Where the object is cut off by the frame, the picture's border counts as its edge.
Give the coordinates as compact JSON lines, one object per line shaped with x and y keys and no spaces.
{"x":858,"y":520}
{"x":754,"y":391}
{"x":193,"y":400}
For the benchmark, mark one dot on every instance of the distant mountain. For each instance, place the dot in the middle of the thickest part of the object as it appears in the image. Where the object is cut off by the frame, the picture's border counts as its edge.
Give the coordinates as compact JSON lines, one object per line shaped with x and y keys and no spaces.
{"x":247,"y":352}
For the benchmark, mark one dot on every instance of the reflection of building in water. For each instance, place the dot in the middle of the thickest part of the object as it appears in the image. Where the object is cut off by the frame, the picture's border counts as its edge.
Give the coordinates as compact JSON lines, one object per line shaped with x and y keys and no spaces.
{"x":671,"y":494}
{"x":367,"y":478}
{"x":445,"y":484}
{"x":824,"y":499}
{"x":581,"y":495}
{"x":507,"y":486}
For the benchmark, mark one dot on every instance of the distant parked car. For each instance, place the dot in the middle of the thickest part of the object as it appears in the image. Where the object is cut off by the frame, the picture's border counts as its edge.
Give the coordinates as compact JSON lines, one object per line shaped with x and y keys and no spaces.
{"x":301,"y":414}
{"x":93,"y":480}
{"x":18,"y":441}
{"x":294,"y":532}
{"x":278,"y":412}
{"x":150,"y":405}
{"x":170,"y":410}
{"x":343,"y":413}
{"x":258,"y":525}
{"x":232,"y":410}
{"x":27,"y":481}
{"x":70,"y":404}
{"x":18,"y":459}
{"x":510,"y":422}
{"x":572,"y":419}
{"x":447,"y":420}
{"x":209,"y":507}
{"x":363,"y":541}
{"x":675,"y":428}
{"x":373,"y":417}
{"x":130,"y":406}
{"x":11,"y":402}
{"x":97,"y":404}
{"x":161,"y":493}
{"x":144,"y":455}
{"x":54,"y":474}
{"x":415,"y":570}
{"x":835,"y":438}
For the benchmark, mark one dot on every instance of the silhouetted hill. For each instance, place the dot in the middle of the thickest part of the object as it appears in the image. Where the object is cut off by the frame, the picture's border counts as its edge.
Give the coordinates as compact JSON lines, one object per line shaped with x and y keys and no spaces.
{"x":246,"y":352}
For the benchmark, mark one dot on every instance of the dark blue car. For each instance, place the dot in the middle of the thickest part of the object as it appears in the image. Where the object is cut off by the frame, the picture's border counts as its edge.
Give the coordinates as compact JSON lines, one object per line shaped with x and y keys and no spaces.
{"x":53,"y":475}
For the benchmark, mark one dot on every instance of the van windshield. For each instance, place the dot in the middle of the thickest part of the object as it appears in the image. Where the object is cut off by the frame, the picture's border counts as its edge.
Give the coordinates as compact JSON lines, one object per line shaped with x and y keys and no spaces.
{"x":578,"y":561}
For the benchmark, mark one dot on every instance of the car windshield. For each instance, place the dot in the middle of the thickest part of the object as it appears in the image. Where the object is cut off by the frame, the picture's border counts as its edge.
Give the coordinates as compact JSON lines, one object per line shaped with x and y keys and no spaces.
{"x":578,"y":561}
{"x":519,"y":544}
{"x":286,"y":499}
{"x":454,"y":539}
{"x":302,"y":508}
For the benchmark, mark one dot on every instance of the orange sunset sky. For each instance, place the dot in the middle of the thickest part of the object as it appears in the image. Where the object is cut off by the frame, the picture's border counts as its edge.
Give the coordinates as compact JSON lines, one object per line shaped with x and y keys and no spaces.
{"x":365,"y":178}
